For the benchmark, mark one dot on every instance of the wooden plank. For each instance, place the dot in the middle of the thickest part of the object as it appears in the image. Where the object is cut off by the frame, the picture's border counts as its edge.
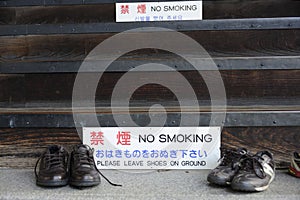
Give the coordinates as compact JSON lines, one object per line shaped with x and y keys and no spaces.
{"x":7,"y":16}
{"x":112,"y":27}
{"x":281,"y":141}
{"x":233,"y":119}
{"x":104,"y":107}
{"x":124,"y":64}
{"x":250,"y":9}
{"x":239,"y":84}
{"x":65,"y":14}
{"x":225,"y":44}
{"x":36,"y":11}
{"x":20,"y":148}
{"x":12,"y":89}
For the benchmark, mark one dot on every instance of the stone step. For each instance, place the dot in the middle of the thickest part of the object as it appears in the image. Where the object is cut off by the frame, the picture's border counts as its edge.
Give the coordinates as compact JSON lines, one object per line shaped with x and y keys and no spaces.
{"x":174,"y":184}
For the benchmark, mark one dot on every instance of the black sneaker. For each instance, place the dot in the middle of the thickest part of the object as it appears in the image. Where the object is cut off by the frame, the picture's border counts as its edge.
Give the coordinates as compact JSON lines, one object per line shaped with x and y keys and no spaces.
{"x":256,"y":174}
{"x":229,"y":166}
{"x":83,"y":172}
{"x":53,"y":168}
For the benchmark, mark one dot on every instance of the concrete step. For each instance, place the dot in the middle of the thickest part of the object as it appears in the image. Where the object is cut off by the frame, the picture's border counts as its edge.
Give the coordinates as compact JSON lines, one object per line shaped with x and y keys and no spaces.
{"x":174,"y":184}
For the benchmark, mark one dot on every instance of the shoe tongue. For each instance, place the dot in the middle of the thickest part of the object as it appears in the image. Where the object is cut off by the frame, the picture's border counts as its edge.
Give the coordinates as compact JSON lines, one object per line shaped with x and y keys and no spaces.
{"x":82,"y":148}
{"x":54,"y":149}
{"x":85,"y":150}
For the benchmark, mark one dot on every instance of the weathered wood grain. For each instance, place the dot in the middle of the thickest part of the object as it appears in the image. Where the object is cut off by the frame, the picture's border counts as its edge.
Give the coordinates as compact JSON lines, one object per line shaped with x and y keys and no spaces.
{"x":52,"y":48}
{"x":124,"y":65}
{"x":20,"y":148}
{"x":12,"y":89}
{"x":7,"y":16}
{"x":245,"y":89}
{"x":66,"y":14}
{"x":282,"y":142}
{"x":63,"y":118}
{"x":106,"y":12}
{"x":250,"y":9}
{"x":239,"y":84}
{"x":281,"y":23}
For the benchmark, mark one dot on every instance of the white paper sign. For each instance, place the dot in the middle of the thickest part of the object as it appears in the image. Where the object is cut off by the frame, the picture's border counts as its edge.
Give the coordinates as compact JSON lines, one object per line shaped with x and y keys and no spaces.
{"x":159,"y":11}
{"x":154,"y":147}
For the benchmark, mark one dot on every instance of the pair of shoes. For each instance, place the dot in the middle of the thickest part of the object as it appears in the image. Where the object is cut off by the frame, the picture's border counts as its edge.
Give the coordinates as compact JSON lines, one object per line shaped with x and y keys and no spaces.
{"x":56,"y":169}
{"x":243,"y":171}
{"x":294,"y":168}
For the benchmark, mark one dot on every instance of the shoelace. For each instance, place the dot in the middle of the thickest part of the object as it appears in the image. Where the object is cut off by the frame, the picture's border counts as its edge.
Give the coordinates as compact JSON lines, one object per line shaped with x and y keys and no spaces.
{"x":84,"y":158}
{"x":53,"y":160}
{"x":113,"y":184}
{"x":227,"y":158}
{"x":231,"y":157}
{"x":87,"y":159}
{"x":252,"y":164}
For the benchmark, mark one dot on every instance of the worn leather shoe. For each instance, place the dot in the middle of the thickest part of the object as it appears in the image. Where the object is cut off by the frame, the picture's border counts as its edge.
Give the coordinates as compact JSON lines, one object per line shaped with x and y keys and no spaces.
{"x":230,"y":164}
{"x":53,"y":168}
{"x":83,"y":172}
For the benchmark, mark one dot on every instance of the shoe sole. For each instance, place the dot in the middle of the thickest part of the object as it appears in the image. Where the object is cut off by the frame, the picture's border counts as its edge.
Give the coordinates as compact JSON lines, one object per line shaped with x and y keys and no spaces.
{"x":250,"y":188}
{"x":246,"y":188}
{"x":218,"y":182}
{"x":83,"y":183}
{"x":52,"y":183}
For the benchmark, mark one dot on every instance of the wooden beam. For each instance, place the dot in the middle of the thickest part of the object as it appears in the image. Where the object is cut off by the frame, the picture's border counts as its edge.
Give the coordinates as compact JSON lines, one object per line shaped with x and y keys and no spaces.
{"x":227,"y":47}
{"x":111,"y":27}
{"x":239,"y":84}
{"x":124,"y":64}
{"x":233,"y":119}
{"x":12,"y":89}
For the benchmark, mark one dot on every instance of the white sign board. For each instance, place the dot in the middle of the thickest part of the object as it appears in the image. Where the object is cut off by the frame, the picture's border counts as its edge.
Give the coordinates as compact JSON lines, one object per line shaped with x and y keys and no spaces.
{"x":154,"y":147}
{"x":158,"y":11}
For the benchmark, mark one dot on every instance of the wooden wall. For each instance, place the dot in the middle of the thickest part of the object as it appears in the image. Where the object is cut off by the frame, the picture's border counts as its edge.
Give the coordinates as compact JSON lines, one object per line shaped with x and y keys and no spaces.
{"x":255,"y":45}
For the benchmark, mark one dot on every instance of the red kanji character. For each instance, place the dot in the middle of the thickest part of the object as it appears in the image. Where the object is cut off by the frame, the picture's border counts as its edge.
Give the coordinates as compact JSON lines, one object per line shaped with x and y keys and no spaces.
{"x":124,"y":9}
{"x":96,"y":138}
{"x":141,"y":8}
{"x":123,"y":138}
